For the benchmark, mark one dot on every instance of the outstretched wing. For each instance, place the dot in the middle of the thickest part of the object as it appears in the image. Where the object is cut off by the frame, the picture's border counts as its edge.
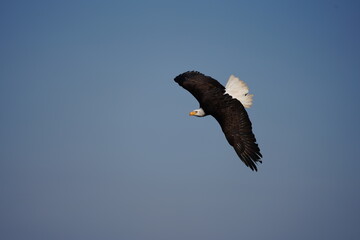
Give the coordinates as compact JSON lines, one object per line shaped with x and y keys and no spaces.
{"x":237,"y":128}
{"x":199,"y":85}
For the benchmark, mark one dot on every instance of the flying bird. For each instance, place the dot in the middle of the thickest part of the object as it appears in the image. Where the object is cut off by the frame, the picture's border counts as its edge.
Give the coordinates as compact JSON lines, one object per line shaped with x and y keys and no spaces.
{"x":227,"y":105}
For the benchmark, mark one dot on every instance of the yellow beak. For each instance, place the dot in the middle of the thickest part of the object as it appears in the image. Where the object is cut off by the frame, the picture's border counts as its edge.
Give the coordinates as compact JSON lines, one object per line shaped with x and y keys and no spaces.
{"x":192,"y":113}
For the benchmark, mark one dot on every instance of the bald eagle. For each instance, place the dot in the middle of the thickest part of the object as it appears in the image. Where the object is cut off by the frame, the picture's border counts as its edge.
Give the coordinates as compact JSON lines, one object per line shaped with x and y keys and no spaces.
{"x":227,"y":105}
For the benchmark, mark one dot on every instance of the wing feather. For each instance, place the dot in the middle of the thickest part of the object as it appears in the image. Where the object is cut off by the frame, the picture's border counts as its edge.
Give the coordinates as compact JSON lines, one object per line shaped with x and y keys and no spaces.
{"x":237,"y":128}
{"x":199,"y":85}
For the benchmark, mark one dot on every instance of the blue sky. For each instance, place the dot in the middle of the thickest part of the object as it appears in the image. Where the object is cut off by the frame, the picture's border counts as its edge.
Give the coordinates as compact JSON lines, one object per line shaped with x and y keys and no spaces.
{"x":96,"y":141}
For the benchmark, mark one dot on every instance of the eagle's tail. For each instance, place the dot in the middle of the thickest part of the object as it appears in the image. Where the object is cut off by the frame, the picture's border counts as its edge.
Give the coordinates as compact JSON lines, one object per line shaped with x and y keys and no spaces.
{"x":239,"y":90}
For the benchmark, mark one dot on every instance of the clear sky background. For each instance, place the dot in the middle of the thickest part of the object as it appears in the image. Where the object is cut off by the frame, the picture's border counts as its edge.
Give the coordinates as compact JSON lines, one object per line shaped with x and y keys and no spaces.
{"x":96,"y":141}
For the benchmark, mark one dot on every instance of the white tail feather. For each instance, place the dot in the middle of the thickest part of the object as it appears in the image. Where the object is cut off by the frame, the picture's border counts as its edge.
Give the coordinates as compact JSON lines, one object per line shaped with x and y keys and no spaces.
{"x":239,"y":90}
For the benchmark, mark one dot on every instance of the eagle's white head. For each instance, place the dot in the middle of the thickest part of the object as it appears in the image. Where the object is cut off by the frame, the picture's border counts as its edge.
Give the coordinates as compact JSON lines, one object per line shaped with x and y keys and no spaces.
{"x":198,"y":113}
